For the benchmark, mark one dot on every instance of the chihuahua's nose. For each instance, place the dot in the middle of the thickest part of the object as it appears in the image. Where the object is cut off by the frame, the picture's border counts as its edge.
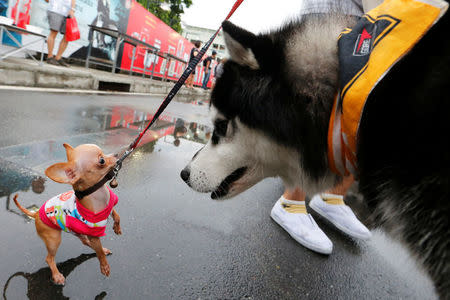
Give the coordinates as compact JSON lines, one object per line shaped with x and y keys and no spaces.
{"x":185,"y":174}
{"x":116,"y":155}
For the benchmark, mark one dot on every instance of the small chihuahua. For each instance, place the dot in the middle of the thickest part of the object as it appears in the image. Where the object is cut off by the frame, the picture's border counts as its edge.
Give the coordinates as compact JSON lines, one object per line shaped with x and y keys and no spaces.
{"x":87,"y":217}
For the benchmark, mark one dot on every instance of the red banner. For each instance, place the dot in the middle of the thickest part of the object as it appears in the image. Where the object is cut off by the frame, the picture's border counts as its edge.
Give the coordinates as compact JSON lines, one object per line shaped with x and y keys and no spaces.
{"x":148,"y":28}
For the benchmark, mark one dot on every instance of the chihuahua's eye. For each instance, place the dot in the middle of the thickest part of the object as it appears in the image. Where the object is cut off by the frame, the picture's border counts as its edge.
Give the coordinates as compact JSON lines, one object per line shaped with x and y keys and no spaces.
{"x":102,"y":161}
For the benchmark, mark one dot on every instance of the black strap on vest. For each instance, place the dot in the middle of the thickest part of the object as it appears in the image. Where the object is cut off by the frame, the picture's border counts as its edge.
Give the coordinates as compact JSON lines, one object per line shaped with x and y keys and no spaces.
{"x":88,"y":191}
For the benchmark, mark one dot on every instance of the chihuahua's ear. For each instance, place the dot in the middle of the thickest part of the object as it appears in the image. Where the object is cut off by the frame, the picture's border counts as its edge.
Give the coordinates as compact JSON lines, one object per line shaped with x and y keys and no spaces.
{"x":63,"y":173}
{"x":69,"y":151}
{"x":246,"y":48}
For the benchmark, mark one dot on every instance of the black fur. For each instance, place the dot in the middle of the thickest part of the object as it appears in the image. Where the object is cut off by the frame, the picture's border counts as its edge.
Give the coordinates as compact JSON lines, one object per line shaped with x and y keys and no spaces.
{"x":263,"y":99}
{"x":403,"y":154}
{"x":224,"y":186}
{"x":220,"y":130}
{"x":263,"y":47}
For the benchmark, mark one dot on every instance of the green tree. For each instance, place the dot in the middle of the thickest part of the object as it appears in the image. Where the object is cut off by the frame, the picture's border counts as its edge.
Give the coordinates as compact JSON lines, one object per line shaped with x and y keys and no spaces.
{"x":171,"y":17}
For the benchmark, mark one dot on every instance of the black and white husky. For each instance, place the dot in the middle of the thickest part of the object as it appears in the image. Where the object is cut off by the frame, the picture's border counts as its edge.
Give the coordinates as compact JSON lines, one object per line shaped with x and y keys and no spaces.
{"x":271,"y":113}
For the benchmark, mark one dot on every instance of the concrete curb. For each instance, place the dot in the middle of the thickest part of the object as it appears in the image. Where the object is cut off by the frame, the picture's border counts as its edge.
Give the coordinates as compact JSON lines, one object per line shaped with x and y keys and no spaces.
{"x":21,"y":72}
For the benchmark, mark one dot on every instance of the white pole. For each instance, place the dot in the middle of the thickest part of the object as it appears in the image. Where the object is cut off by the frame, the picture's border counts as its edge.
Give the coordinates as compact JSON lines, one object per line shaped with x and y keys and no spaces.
{"x":16,"y":21}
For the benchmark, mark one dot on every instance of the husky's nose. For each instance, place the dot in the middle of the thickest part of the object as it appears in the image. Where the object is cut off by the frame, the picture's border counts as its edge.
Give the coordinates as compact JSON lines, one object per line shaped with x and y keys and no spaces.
{"x":185,"y":174}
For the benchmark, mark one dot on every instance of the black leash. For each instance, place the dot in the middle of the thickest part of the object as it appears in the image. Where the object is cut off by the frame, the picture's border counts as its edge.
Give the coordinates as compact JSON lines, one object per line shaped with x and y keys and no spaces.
{"x":112,"y":174}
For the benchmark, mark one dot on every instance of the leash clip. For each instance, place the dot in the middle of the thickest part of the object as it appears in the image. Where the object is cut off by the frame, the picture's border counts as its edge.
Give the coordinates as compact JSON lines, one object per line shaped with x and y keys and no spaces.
{"x":113,"y":183}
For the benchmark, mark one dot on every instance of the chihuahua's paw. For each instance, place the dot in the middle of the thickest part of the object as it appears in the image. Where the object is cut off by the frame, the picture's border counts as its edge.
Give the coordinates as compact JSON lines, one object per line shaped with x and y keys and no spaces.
{"x":107,"y":251}
{"x":117,"y":229}
{"x":105,"y":269}
{"x":58,"y":279}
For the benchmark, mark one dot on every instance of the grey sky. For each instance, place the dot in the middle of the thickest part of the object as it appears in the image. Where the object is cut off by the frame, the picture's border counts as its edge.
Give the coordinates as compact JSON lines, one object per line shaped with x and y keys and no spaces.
{"x":254,"y":15}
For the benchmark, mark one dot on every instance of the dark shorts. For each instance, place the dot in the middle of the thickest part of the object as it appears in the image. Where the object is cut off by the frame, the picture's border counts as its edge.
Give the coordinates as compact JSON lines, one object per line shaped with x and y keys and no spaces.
{"x":57,"y":22}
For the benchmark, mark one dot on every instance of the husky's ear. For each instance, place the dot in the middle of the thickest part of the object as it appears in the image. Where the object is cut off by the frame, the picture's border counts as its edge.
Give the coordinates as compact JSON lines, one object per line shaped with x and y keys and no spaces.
{"x":246,"y":48}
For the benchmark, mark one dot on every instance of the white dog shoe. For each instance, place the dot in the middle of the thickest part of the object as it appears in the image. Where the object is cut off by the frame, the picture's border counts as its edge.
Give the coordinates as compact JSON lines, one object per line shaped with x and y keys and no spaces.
{"x":340,"y":215}
{"x":292,"y":216}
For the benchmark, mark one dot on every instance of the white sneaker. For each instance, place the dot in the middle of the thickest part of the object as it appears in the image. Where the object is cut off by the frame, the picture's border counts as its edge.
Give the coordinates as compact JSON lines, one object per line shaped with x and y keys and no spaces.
{"x":301,"y":226}
{"x":341,"y":216}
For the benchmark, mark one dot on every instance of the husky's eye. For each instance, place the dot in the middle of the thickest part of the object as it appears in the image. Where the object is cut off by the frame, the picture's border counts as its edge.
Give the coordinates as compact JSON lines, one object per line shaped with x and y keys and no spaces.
{"x":220,"y":130}
{"x":221,"y":127}
{"x":101,"y":161}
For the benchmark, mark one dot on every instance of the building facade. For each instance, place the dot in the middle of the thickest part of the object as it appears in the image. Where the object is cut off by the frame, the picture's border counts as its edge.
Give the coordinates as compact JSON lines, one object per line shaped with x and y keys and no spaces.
{"x":194,"y":33}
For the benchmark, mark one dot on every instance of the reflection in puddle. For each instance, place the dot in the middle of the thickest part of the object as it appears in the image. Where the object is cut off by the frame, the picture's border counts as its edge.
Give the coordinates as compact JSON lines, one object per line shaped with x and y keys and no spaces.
{"x":191,"y":131}
{"x":39,"y":285}
{"x":200,"y":102}
{"x":22,"y":166}
{"x":15,"y":178}
{"x":114,"y":127}
{"x":96,"y":118}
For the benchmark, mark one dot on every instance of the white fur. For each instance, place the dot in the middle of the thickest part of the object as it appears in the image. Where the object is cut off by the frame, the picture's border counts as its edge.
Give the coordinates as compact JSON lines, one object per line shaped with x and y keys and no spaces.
{"x":263,"y":157}
{"x":312,"y":54}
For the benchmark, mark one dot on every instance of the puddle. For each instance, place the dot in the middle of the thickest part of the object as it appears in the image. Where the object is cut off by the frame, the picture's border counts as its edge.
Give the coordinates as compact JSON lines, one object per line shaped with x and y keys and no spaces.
{"x":112,"y":128}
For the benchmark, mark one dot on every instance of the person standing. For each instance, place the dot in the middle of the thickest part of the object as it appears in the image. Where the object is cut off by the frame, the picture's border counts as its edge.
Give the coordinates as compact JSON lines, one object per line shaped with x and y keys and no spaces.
{"x":58,"y":11}
{"x":218,"y":70}
{"x":194,"y":51}
{"x":207,"y":68}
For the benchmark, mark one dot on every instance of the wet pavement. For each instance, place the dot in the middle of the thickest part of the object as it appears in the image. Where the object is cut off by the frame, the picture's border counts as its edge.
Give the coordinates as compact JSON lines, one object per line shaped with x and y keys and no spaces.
{"x":176,"y":243}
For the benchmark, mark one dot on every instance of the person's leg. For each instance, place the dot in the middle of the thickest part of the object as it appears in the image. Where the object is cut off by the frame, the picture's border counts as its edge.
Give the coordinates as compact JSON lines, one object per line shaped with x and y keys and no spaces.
{"x":189,"y":81}
{"x":205,"y":80}
{"x":331,"y":206}
{"x":186,"y":83}
{"x":56,"y":24}
{"x":62,"y":48}
{"x":51,"y":42}
{"x":290,"y":213}
{"x":60,"y":21}
{"x":341,"y":189}
{"x":294,"y":195}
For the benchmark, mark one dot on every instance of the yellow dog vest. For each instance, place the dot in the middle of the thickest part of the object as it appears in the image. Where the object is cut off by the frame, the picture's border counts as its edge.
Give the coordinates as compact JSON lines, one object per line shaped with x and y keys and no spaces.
{"x":366,"y":53}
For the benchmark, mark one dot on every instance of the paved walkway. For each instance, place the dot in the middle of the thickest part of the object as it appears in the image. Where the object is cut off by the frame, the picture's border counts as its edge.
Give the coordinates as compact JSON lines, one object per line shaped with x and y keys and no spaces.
{"x":176,"y":243}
